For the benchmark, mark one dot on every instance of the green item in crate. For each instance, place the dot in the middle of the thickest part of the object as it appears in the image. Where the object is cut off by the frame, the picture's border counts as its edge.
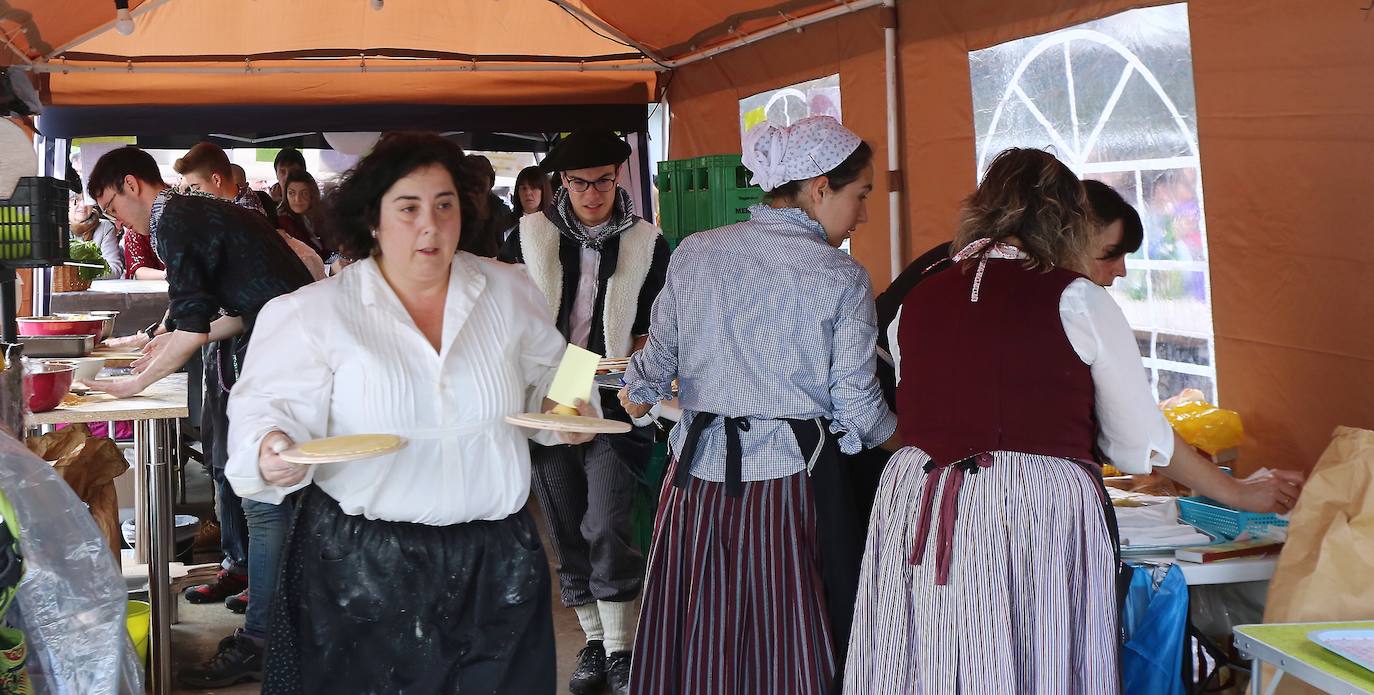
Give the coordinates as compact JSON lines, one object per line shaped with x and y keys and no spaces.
{"x":88,"y":252}
{"x":15,"y":232}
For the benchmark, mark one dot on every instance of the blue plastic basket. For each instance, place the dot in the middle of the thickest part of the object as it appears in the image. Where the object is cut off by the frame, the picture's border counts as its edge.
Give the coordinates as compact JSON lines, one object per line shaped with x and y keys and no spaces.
{"x":1219,"y":520}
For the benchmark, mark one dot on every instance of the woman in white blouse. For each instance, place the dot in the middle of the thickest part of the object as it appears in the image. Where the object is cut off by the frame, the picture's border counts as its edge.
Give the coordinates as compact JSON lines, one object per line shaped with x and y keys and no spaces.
{"x":419,"y":571}
{"x":990,"y":564}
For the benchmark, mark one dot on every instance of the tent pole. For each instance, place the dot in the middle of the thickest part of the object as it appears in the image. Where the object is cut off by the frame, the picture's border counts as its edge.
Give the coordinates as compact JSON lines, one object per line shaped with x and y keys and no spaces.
{"x":894,"y":170}
{"x":304,"y":69}
{"x":602,"y":25}
{"x":794,"y":25}
{"x":146,"y":7}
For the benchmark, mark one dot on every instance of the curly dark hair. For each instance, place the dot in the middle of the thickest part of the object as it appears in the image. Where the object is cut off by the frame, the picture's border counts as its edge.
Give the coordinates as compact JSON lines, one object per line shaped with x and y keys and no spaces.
{"x":354,"y":206}
{"x":1031,"y":197}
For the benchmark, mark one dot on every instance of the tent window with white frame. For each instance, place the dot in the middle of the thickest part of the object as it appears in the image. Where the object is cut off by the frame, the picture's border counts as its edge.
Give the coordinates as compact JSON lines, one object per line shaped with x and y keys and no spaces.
{"x":1114,"y":100}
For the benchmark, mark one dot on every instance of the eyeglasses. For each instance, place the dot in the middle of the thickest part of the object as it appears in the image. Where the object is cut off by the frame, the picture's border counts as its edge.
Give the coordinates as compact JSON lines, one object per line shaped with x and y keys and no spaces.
{"x":107,"y":209}
{"x":603,"y":185}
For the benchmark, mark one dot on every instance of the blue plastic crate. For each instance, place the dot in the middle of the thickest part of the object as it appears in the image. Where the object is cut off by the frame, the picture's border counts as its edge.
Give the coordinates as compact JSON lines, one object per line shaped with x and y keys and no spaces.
{"x":1219,"y":520}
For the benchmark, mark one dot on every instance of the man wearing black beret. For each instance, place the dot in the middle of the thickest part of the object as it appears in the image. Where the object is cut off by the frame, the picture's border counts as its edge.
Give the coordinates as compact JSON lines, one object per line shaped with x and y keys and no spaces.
{"x":600,"y":266}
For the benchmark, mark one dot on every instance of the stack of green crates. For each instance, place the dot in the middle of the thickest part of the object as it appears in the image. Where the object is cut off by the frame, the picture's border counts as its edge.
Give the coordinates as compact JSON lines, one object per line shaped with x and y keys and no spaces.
{"x":703,"y":193}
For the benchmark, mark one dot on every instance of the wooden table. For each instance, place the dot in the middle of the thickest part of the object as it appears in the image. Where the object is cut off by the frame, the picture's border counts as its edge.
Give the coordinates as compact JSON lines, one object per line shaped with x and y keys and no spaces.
{"x":155,"y":413}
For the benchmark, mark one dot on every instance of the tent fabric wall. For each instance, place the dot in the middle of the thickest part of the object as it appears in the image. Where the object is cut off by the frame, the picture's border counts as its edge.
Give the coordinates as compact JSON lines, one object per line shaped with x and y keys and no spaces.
{"x":1284,"y":121}
{"x":704,"y":99}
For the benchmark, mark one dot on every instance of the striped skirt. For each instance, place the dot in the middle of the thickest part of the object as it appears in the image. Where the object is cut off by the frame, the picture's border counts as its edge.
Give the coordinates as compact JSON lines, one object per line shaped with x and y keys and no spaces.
{"x":1029,"y":606}
{"x":733,"y":602}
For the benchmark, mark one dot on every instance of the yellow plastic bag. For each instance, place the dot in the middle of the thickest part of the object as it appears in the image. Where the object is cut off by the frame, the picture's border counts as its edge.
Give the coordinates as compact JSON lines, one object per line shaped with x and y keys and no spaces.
{"x":1204,"y":425}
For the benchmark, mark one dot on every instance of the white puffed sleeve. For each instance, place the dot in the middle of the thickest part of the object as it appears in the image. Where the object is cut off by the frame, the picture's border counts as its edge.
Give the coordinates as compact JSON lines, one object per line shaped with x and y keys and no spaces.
{"x":285,"y":385}
{"x":1133,"y":433}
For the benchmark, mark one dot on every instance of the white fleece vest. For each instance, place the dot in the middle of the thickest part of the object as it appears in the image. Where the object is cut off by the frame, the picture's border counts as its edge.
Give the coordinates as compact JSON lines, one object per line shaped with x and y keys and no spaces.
{"x":539,"y":240}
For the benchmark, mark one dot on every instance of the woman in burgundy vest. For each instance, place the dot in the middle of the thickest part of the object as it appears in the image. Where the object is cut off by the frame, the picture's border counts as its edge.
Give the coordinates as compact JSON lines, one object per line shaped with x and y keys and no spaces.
{"x":989,"y":565}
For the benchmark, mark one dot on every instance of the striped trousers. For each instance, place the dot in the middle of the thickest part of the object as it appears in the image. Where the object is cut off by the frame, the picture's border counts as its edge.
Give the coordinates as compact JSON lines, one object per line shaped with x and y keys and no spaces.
{"x":587,"y":495}
{"x":733,"y":602}
{"x":1030,"y":605}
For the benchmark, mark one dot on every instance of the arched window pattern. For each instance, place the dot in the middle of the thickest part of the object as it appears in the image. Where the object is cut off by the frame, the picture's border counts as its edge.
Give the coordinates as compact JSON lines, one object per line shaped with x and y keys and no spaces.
{"x":1114,"y":100}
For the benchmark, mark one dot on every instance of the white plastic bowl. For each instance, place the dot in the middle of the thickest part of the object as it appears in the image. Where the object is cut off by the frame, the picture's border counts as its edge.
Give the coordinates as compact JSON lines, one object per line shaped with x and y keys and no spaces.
{"x":87,"y":368}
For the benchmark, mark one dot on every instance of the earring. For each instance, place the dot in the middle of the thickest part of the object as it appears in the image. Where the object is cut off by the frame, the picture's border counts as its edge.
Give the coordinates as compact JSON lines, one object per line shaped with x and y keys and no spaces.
{"x":374,"y":232}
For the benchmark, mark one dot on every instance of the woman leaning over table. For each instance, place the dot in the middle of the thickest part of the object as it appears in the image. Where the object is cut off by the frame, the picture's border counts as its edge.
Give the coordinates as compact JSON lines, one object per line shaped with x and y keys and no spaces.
{"x":989,"y":565}
{"x":419,"y":571}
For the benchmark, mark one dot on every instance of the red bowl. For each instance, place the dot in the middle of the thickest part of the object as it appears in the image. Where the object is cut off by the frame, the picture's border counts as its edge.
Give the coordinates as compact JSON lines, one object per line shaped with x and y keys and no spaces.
{"x":45,"y":385}
{"x":57,"y":325}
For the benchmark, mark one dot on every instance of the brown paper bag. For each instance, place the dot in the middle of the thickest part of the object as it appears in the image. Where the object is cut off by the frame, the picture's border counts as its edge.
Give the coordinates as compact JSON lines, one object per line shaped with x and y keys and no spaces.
{"x":1326,"y":570}
{"x":89,"y":465}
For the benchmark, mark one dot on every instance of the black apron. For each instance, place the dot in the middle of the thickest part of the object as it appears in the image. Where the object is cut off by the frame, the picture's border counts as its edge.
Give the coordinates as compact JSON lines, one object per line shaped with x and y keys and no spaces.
{"x":841,"y":521}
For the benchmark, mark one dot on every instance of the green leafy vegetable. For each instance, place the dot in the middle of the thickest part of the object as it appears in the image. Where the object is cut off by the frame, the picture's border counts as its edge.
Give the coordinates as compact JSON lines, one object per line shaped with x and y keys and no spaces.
{"x":88,"y":252}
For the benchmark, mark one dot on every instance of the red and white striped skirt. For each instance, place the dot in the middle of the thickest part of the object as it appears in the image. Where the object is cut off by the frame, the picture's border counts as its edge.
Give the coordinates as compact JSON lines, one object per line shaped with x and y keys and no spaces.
{"x":1030,"y":602}
{"x":733,"y":601}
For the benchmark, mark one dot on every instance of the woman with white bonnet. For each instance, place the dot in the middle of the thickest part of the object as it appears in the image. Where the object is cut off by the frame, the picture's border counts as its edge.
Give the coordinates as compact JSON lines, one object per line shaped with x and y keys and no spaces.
{"x":769,"y":329}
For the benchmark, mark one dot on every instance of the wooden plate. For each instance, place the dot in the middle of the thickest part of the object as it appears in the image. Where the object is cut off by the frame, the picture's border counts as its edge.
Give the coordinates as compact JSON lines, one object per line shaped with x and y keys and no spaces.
{"x":568,"y":423}
{"x":353,"y":447}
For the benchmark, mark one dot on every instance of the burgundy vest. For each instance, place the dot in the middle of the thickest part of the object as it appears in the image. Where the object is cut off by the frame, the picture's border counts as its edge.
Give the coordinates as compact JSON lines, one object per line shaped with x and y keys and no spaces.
{"x":998,"y":374}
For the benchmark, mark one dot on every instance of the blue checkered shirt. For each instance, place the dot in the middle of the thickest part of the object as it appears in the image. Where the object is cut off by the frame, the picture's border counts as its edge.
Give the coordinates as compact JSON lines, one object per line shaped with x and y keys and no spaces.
{"x":765,"y":319}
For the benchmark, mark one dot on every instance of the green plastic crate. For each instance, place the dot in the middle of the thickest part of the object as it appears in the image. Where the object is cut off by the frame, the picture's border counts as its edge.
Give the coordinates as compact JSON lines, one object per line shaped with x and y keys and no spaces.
{"x":724,"y":193}
{"x":669,"y":200}
{"x":646,"y":497}
{"x":693,"y":188}
{"x":34,"y":230}
{"x":703,"y":193}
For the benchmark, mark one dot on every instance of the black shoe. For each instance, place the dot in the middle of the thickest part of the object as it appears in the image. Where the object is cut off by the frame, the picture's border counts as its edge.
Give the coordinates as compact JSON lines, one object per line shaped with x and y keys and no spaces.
{"x":239,"y":659}
{"x":618,"y":672}
{"x":591,"y":669}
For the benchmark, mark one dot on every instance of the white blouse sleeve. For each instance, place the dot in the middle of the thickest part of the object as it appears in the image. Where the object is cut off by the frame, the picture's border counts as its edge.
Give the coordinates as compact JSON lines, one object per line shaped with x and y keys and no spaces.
{"x":1133,"y":433}
{"x":285,"y":385}
{"x":541,"y":350}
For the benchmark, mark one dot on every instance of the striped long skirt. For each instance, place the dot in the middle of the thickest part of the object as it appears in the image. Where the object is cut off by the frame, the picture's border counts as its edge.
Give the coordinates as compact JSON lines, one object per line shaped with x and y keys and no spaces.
{"x":733,"y":601}
{"x":1029,"y":604}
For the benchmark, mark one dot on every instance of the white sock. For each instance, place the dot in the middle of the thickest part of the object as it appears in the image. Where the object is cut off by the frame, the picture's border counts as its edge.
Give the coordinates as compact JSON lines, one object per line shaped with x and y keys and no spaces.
{"x":621,"y":619}
{"x":590,"y":616}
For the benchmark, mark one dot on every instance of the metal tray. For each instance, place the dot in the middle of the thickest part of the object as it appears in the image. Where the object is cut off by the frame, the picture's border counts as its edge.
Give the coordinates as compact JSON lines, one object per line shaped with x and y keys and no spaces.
{"x":57,"y":345}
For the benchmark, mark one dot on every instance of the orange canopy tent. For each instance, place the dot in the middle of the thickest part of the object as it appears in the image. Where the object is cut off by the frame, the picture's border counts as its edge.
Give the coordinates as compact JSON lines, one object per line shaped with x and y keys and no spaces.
{"x":1283,"y":92}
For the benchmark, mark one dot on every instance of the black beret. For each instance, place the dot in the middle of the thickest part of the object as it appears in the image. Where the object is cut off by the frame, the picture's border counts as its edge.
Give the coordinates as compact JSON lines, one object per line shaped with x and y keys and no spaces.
{"x":584,"y":149}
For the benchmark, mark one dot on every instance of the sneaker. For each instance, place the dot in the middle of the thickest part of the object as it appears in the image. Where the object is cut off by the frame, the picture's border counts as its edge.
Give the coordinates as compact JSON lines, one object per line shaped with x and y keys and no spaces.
{"x":618,"y":672}
{"x":239,"y":659}
{"x":591,"y":669}
{"x":238,"y":603}
{"x":226,"y":584}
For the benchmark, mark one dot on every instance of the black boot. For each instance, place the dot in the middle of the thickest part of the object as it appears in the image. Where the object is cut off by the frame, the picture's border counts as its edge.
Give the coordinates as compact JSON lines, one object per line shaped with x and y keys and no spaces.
{"x":591,"y":669}
{"x":618,"y":672}
{"x":239,"y":659}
